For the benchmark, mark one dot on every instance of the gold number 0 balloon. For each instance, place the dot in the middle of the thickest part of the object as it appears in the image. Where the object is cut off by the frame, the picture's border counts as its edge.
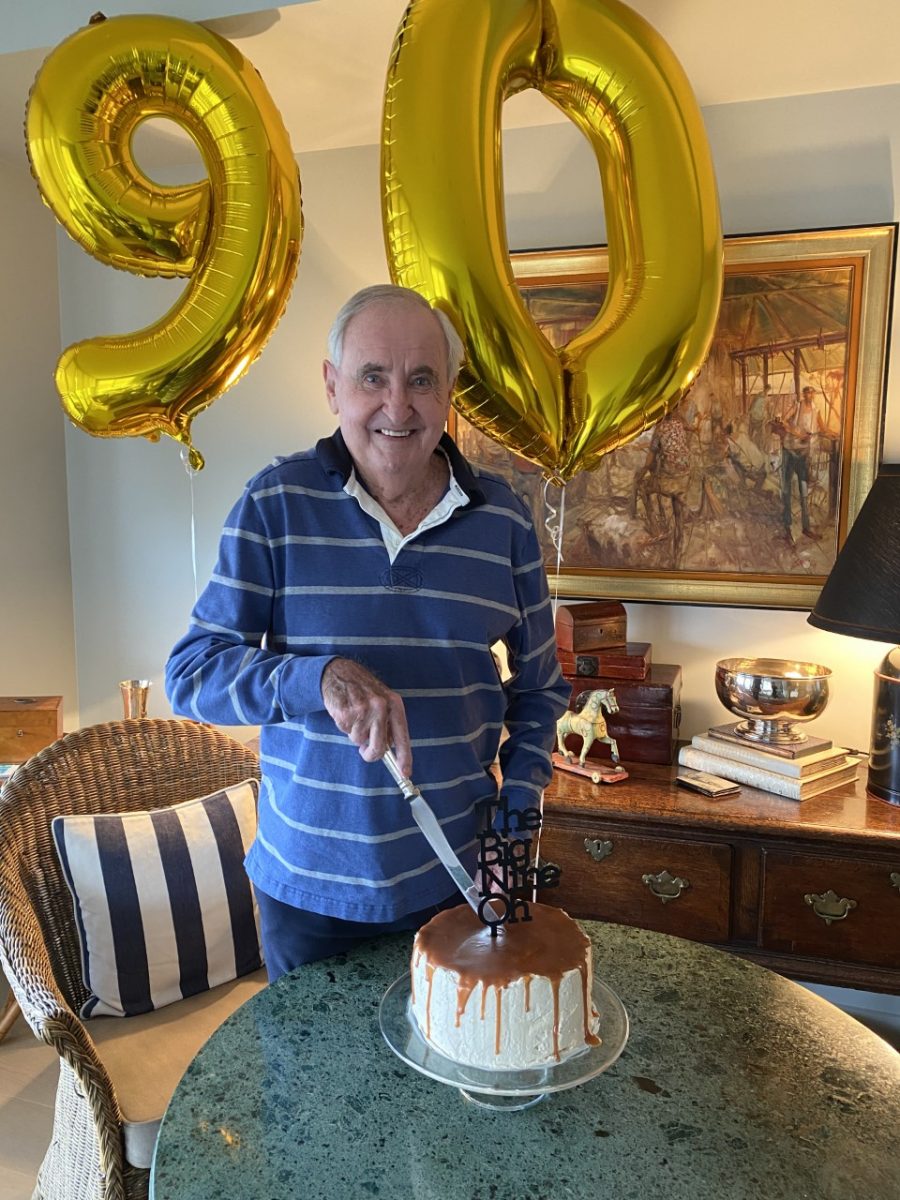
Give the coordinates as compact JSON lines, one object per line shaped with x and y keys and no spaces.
{"x":236,"y":234}
{"x":453,"y":64}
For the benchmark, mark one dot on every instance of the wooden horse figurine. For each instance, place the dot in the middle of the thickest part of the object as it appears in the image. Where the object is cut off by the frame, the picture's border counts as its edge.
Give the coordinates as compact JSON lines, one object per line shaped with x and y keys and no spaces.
{"x":589,"y":724}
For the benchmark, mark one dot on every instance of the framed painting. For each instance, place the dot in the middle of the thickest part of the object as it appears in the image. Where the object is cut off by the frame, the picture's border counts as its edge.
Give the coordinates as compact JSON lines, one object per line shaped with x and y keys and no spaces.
{"x":743,"y":494}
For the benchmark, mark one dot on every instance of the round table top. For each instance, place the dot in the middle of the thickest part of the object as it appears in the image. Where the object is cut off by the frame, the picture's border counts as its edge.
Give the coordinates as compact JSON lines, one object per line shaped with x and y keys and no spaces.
{"x":735,"y":1083}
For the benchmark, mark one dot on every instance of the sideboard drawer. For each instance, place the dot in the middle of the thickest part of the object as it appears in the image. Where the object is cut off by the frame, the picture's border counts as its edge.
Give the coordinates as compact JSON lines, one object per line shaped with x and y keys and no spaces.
{"x":831,"y":907}
{"x":676,"y":887}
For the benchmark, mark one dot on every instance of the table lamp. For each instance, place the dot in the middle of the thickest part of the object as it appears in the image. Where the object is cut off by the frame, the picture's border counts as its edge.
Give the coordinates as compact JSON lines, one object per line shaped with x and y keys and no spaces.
{"x":861,"y":598}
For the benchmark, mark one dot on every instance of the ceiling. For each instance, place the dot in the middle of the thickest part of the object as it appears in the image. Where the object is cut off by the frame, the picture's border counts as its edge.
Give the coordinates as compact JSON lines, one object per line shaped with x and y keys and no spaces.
{"x":324,"y":61}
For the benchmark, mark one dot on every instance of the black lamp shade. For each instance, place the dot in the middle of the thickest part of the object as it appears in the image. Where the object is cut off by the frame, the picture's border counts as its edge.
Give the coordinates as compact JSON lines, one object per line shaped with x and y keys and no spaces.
{"x":861,"y":597}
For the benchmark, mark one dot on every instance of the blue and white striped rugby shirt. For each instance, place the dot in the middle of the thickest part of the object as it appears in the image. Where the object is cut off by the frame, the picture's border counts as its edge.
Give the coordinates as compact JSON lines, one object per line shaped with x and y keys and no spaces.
{"x":303,"y":575}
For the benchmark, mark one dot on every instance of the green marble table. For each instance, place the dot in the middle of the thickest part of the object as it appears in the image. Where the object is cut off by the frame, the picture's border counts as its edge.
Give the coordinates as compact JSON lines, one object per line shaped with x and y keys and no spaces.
{"x":735,"y":1084}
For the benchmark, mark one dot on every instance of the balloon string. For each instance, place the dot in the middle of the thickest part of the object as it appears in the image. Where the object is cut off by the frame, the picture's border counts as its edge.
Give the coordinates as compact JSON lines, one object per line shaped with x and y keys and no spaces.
{"x":194,"y":538}
{"x":556,"y":530}
{"x":191,"y":473}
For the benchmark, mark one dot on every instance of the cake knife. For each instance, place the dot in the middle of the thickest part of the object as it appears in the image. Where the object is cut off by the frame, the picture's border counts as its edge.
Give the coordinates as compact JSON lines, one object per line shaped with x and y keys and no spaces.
{"x":434,"y":835}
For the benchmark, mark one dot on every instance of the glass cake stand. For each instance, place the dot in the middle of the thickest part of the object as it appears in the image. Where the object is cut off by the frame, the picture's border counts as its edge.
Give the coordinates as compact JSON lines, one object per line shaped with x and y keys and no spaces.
{"x":510,"y":1090}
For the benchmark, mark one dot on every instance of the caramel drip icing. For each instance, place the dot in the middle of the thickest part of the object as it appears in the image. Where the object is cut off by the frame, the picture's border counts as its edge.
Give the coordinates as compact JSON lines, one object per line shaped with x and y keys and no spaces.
{"x":498,"y":1019}
{"x":549,"y":945}
{"x":590,"y":1038}
{"x":429,"y":976}
{"x":555,"y":985}
{"x":462,"y":999}
{"x":528,"y":993}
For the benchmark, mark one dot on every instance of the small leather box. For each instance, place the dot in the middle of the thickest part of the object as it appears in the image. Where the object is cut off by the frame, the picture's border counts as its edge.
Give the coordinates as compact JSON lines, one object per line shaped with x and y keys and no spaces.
{"x":581,"y":628}
{"x":28,"y":724}
{"x":649,"y":717}
{"x":631,"y":661}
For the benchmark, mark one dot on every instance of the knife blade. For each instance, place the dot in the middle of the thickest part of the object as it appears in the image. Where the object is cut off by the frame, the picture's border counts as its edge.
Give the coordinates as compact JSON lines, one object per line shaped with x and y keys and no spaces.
{"x":434,"y":835}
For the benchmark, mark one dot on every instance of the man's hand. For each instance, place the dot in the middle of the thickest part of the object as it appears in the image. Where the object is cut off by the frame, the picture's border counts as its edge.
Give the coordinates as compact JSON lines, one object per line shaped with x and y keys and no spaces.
{"x":371,"y":715}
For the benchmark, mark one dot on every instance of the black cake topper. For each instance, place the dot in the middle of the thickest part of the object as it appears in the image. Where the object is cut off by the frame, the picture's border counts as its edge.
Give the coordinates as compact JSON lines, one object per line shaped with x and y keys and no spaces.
{"x":505,"y":868}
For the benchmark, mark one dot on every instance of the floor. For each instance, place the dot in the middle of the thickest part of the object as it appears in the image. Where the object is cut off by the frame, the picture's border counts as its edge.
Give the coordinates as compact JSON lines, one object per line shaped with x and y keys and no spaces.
{"x":878,"y":1010}
{"x":28,"y":1075}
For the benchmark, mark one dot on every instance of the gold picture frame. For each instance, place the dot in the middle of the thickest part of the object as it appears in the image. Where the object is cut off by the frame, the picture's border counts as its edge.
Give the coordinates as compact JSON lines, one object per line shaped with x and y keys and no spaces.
{"x":806,"y":310}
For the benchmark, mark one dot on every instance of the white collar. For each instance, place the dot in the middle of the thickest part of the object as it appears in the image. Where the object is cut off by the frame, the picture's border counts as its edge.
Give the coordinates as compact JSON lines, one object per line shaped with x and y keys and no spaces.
{"x":453,"y":498}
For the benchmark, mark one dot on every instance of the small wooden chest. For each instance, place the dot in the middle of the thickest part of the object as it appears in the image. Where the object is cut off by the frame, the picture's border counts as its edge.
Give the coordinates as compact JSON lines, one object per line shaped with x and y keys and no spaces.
{"x":649,"y":717}
{"x":631,"y":661}
{"x":28,"y":724}
{"x":585,"y":627}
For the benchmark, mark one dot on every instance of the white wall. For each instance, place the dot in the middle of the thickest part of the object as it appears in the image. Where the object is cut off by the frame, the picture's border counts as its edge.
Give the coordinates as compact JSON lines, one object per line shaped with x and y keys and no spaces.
{"x":45,"y":24}
{"x":813,"y":161}
{"x":37,"y":645}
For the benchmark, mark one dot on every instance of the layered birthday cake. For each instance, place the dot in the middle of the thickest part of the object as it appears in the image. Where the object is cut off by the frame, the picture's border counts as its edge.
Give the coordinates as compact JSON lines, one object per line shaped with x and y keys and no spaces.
{"x":513,"y":1001}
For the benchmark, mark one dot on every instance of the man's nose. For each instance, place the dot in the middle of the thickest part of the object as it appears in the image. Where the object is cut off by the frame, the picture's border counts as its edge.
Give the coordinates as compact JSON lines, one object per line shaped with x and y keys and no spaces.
{"x":397,"y":397}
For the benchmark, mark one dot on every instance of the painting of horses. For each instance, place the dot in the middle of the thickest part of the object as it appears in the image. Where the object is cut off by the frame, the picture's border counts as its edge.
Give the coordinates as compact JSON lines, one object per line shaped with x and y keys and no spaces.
{"x":744,"y":492}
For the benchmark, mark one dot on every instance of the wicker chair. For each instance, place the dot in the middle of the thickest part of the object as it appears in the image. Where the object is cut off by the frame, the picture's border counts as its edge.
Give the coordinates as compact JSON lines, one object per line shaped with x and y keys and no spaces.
{"x":115,"y":767}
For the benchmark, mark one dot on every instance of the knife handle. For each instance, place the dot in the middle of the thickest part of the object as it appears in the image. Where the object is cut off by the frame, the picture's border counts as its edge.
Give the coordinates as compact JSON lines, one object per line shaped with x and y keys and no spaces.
{"x":406,"y":786}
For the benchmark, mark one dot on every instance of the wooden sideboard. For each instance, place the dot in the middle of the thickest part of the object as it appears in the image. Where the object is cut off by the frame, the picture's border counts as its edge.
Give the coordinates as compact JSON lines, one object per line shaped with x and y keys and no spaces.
{"x":810,"y":889}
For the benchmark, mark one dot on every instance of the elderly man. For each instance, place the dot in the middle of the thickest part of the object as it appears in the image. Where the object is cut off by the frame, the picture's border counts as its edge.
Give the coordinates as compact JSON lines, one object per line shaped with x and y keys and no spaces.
{"x":359,"y":588}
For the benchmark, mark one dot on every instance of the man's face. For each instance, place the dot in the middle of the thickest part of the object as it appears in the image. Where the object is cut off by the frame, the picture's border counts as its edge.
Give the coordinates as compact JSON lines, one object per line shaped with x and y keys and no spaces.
{"x":391,"y":393}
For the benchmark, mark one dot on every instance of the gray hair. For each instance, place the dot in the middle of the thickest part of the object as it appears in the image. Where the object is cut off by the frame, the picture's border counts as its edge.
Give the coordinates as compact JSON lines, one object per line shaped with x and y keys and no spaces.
{"x":381,"y":293}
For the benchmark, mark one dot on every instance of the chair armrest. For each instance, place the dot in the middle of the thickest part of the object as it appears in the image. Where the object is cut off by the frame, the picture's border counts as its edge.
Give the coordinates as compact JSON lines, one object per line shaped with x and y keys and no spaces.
{"x":25,"y":960}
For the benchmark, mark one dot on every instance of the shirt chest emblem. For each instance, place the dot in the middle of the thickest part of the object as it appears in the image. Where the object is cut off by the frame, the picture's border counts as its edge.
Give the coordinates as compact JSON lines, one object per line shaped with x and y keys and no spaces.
{"x":401,"y":579}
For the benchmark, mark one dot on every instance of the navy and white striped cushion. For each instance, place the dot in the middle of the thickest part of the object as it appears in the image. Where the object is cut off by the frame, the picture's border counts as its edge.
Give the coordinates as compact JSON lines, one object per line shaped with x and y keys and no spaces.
{"x":163,"y":904}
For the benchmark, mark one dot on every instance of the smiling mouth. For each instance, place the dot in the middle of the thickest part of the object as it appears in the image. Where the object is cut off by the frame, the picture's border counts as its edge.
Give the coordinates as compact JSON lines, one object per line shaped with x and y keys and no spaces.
{"x":395,"y":433}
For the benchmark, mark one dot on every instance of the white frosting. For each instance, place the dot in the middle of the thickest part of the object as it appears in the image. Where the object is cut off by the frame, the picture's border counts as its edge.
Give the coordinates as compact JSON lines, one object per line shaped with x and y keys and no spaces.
{"x":524,"y":1026}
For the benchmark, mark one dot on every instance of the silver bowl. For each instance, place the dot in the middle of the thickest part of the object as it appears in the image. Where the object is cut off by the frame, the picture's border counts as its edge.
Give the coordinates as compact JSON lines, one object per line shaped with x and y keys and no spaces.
{"x":772,"y":695}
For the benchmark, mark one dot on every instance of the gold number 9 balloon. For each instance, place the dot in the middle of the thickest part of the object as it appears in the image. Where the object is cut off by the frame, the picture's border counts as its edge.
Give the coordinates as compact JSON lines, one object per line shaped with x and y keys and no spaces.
{"x":236,"y":235}
{"x":453,"y":64}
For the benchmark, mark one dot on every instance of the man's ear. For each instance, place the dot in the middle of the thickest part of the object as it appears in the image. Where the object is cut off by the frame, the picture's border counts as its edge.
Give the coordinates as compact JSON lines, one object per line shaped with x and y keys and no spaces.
{"x":329,"y":374}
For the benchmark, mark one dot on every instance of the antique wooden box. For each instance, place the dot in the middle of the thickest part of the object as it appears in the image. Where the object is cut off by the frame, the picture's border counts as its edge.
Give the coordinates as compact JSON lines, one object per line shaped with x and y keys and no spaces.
{"x":585,"y":627}
{"x":28,"y":724}
{"x":647,"y":723}
{"x":631,"y":661}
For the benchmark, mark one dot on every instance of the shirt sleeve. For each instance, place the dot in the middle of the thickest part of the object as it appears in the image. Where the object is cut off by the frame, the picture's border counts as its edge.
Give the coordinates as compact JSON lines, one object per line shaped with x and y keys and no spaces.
{"x":537,"y":694}
{"x":221,"y":670}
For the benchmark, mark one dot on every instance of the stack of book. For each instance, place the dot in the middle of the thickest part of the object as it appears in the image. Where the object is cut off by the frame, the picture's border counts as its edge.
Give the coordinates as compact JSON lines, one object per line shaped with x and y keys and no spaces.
{"x":795,"y":771}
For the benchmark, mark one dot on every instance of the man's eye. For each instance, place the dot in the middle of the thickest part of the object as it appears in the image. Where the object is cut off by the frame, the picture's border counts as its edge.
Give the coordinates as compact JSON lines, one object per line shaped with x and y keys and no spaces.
{"x":422,"y":382}
{"x":372,"y":379}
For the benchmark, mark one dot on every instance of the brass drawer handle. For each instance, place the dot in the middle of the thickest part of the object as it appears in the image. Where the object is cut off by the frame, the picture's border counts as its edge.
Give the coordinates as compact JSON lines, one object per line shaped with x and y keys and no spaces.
{"x":597,"y":848}
{"x":829,"y":906}
{"x":665,"y":886}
